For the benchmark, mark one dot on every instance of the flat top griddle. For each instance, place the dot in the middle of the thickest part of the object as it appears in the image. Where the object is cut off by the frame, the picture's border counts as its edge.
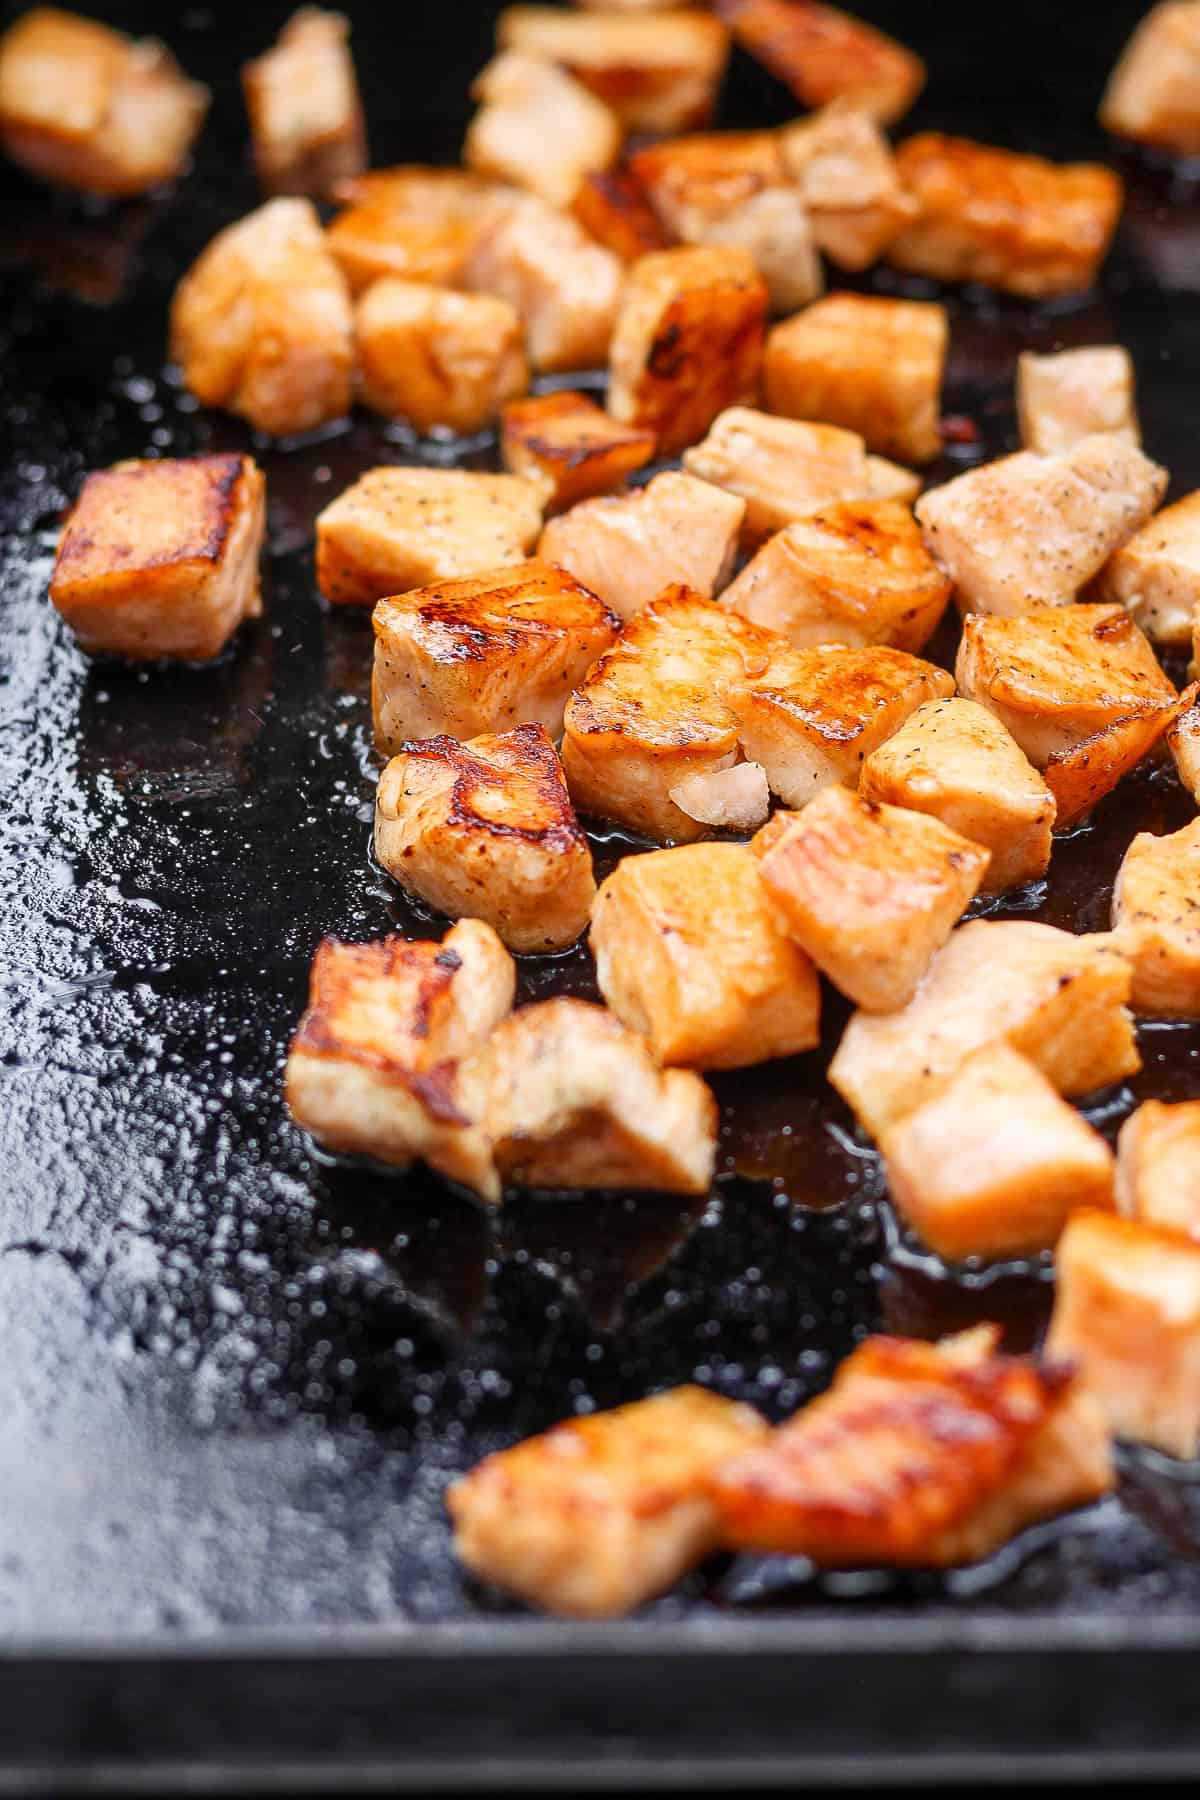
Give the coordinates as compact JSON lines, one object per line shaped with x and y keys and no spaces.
{"x":234,"y":1376}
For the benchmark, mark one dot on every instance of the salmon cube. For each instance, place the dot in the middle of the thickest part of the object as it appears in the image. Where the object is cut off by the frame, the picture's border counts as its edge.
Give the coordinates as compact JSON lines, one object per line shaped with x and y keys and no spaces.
{"x":1156,"y":920}
{"x":612,"y":207}
{"x":1152,"y":93}
{"x":1075,"y":394}
{"x":855,"y":573}
{"x":565,"y":288}
{"x":1127,"y":1309}
{"x":689,"y":953}
{"x":602,"y":1513}
{"x":397,"y":529}
{"x":1030,"y":531}
{"x":437,"y":358}
{"x":687,"y":342}
{"x":415,"y":223}
{"x":160,"y":559}
{"x":955,"y":760}
{"x":485,"y":654}
{"x":870,"y":892}
{"x":1058,"y":999}
{"x":373,"y":1068}
{"x":538,"y":127}
{"x":824,"y":54}
{"x":869,"y":364}
{"x":1183,"y":740}
{"x":262,"y":325}
{"x":306,"y":118}
{"x":567,"y":441}
{"x":1156,"y":574}
{"x":1158,"y":1166}
{"x":1015,"y":222}
{"x":659,"y":71}
{"x":93,"y":109}
{"x":485,"y":830}
{"x":628,"y":547}
{"x":993,"y":1163}
{"x":846,"y":173}
{"x":785,"y":469}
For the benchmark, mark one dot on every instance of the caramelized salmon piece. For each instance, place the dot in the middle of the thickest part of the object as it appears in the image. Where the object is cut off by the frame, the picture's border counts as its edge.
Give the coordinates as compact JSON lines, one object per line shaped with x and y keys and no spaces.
{"x":628,"y":547}
{"x":1158,"y":1166}
{"x":397,"y":528}
{"x":688,"y":341}
{"x":565,"y":287}
{"x":612,"y":208}
{"x":261,"y":323}
{"x":870,"y":892}
{"x":954,"y":759}
{"x":437,"y":358}
{"x":689,"y":953}
{"x":1127,"y":1309}
{"x":600,"y":1514}
{"x":1156,"y":574}
{"x":93,"y":109}
{"x":854,"y":573}
{"x":869,"y":364}
{"x":538,"y":127}
{"x":415,"y":223}
{"x":565,"y":440}
{"x":992,"y":1164}
{"x":485,"y":830}
{"x":846,"y":174}
{"x":1156,"y":920}
{"x":1015,"y":222}
{"x":306,"y":118}
{"x":1153,"y":94}
{"x":373,"y":1068}
{"x":496,"y":650}
{"x":1060,"y":1000}
{"x":1074,"y":394}
{"x":824,"y":54}
{"x":161,"y":558}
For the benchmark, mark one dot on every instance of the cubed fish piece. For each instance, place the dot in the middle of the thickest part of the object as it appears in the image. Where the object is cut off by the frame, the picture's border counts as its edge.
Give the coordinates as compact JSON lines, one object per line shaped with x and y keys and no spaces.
{"x":1074,"y":394}
{"x":1158,"y":1166}
{"x":566,"y":288}
{"x":401,"y":528}
{"x":993,"y":1163}
{"x":565,"y":440}
{"x":846,"y":173}
{"x":306,"y":118}
{"x":437,"y":358}
{"x":867,"y":363}
{"x":688,"y":952}
{"x":954,"y":759}
{"x":412,"y":222}
{"x":160,"y":559}
{"x":601,"y":1513}
{"x":1183,"y":741}
{"x":484,"y":654}
{"x":538,"y":127}
{"x":1127,"y":1310}
{"x":1060,"y":1000}
{"x":485,"y":830}
{"x":1156,"y":920}
{"x":1156,"y":574}
{"x":612,"y":208}
{"x":688,"y":341}
{"x":1153,"y":93}
{"x":824,"y":54}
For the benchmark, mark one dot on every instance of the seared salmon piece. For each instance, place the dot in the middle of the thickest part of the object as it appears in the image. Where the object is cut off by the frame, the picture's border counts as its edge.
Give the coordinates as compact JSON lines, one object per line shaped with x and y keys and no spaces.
{"x":1183,"y":741}
{"x":612,"y":208}
{"x":869,"y":364}
{"x":306,"y":118}
{"x":824,"y":54}
{"x":261,"y":324}
{"x":566,"y":440}
{"x":1015,"y":222}
{"x":437,"y":358}
{"x":688,"y":341}
{"x":993,"y":1163}
{"x":689,"y":953}
{"x":1074,"y":394}
{"x":1156,"y":921}
{"x":416,"y":223}
{"x":1153,"y":93}
{"x":574,"y":1100}
{"x":373,"y":1068}
{"x":846,"y":173}
{"x":397,"y":528}
{"x":954,"y":759}
{"x":1060,"y":1000}
{"x":658,"y":71}
{"x":565,"y":287}
{"x":602,"y":1513}
{"x":485,"y":830}
{"x":629,"y":547}
{"x":161,"y":558}
{"x":920,"y":1455}
{"x":496,"y":650}
{"x":1127,"y":1310}
{"x":786,"y":469}
{"x":538,"y":127}
{"x":1156,"y":574}
{"x":1158,"y":1166}
{"x":854,"y":573}
{"x":870,"y":892}
{"x":1029,"y":531}
{"x":91,"y":108}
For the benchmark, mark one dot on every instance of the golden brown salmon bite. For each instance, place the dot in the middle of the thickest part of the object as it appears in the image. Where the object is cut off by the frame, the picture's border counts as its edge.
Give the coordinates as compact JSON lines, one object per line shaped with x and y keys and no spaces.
{"x":565,"y":440}
{"x":613,"y":209}
{"x":1152,"y":94}
{"x":538,"y":128}
{"x":417,"y":223}
{"x":1158,"y":1166}
{"x":1156,"y":574}
{"x":306,"y":119}
{"x":566,"y":288}
{"x":846,"y":175}
{"x":1156,"y":921}
{"x":437,"y":358}
{"x":1074,"y":394}
{"x":822,"y":54}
